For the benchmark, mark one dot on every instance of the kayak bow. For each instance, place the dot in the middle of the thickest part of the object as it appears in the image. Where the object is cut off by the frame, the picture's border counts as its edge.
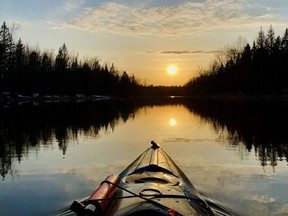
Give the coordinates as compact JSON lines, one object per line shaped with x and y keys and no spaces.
{"x":151,"y":185}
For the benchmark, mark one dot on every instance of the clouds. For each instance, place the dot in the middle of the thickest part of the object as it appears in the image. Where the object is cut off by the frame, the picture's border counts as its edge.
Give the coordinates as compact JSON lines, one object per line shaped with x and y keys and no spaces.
{"x":171,"y":20}
{"x":72,"y":5}
{"x":186,"y":32}
{"x":180,"y":52}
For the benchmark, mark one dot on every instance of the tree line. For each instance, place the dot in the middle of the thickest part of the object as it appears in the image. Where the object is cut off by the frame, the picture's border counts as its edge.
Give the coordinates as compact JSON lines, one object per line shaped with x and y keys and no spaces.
{"x":26,"y":70}
{"x":260,"y":68}
{"x":241,"y":68}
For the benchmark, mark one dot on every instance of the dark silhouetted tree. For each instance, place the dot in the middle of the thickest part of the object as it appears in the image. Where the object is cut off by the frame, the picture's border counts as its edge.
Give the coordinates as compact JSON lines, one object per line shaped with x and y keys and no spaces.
{"x":25,"y":70}
{"x":6,"y":49}
{"x":262,"y":69}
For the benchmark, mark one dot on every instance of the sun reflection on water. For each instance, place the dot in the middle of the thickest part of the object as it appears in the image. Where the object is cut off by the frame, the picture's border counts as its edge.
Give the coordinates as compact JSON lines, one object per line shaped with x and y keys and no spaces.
{"x":172,"y":122}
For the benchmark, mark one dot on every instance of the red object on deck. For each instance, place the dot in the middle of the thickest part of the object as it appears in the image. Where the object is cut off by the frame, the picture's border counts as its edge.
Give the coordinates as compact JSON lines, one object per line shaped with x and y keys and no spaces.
{"x":105,"y":190}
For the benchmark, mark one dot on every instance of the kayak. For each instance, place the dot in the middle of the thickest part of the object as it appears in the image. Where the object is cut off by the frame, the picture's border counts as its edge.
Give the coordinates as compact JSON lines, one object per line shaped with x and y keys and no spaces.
{"x":151,"y":185}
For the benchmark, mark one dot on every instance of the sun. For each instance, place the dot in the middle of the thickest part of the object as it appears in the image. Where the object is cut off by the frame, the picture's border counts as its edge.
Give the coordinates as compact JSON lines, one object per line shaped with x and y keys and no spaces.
{"x":172,"y":122}
{"x":172,"y":70}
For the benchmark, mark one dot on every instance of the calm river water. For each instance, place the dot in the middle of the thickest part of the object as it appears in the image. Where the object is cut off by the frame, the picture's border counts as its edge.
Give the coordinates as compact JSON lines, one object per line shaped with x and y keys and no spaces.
{"x":54,"y":153}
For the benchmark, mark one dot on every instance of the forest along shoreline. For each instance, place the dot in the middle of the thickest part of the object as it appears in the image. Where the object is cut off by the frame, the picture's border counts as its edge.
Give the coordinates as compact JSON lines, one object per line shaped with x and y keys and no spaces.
{"x":240,"y":72}
{"x":13,"y":99}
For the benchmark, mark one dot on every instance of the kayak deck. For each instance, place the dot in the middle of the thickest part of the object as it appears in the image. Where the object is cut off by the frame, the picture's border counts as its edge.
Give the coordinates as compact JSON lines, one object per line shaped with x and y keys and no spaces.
{"x":151,"y":185}
{"x":155,"y":177}
{"x":154,"y":159}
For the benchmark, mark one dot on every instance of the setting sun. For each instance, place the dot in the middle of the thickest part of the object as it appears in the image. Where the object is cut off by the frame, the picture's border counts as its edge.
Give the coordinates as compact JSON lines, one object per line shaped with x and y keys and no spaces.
{"x":172,"y":122}
{"x":172,"y":70}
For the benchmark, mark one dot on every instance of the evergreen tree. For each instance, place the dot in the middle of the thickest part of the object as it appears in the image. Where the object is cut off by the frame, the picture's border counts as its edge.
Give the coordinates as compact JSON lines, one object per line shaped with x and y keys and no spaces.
{"x":17,"y":67}
{"x":6,"y":48}
{"x":61,"y":66}
{"x":24,"y":70}
{"x":270,"y":40}
{"x":62,"y":58}
{"x":33,"y":75}
{"x":284,"y":43}
{"x":260,"y":42}
{"x":46,"y":71}
{"x":261,"y":69}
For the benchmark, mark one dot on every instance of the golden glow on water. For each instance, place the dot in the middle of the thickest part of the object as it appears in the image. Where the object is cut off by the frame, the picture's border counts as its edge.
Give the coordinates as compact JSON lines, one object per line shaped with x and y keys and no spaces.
{"x":193,"y":143}
{"x":172,"y":122}
{"x":154,"y":123}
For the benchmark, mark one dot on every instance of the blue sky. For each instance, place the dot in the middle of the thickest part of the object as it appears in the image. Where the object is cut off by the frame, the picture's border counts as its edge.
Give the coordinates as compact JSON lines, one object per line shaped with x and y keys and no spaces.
{"x":144,"y":37}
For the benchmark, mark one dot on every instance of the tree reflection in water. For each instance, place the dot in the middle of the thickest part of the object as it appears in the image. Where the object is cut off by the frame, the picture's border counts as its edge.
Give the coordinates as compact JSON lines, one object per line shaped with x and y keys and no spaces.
{"x":27,"y":127}
{"x":259,"y":126}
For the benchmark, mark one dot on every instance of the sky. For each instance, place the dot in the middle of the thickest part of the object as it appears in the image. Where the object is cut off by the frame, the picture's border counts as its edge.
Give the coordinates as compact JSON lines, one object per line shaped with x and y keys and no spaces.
{"x":144,"y":37}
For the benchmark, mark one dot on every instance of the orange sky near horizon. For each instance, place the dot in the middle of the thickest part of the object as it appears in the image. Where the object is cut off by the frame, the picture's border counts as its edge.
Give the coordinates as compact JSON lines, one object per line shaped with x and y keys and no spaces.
{"x":144,"y":37}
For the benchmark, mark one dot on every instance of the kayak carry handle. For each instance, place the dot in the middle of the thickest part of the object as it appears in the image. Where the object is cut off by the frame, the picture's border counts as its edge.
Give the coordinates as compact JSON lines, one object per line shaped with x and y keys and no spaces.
{"x":155,"y":145}
{"x":97,"y":203}
{"x":83,"y":210}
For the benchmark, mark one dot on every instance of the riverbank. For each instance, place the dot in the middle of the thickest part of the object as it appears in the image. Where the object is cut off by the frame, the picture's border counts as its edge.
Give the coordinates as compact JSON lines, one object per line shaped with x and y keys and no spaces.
{"x":240,"y":97}
{"x":7,"y":98}
{"x":10,"y":99}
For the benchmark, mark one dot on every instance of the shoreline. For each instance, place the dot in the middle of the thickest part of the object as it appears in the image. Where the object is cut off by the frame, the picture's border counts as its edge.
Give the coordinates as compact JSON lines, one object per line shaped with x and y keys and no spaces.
{"x":9,"y":99}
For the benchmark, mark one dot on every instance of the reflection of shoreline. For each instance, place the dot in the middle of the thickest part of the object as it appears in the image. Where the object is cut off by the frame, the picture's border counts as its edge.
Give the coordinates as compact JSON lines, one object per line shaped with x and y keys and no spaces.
{"x":26,"y":127}
{"x":256,"y":126}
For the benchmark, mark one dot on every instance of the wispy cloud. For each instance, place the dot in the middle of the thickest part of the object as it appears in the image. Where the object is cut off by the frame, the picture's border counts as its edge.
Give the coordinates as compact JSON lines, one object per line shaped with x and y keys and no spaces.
{"x":180,"y":52}
{"x":72,"y":5}
{"x":182,"y":19}
{"x":69,"y":6}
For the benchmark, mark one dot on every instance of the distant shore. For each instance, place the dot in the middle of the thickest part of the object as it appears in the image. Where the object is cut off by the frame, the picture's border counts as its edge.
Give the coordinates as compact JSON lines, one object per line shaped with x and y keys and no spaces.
{"x":15,"y":98}
{"x":10,"y":98}
{"x":235,"y":97}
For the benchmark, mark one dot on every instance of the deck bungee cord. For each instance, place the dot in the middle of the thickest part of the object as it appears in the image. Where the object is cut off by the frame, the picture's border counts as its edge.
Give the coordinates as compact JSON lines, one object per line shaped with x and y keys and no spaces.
{"x":81,"y":209}
{"x":151,"y":185}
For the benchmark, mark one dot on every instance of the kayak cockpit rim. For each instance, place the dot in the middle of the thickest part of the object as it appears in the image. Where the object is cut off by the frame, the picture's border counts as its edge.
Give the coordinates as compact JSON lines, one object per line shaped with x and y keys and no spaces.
{"x":152,"y":183}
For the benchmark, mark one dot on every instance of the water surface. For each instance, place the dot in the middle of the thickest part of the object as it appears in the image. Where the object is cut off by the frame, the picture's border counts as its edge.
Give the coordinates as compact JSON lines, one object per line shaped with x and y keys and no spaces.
{"x":54,"y":153}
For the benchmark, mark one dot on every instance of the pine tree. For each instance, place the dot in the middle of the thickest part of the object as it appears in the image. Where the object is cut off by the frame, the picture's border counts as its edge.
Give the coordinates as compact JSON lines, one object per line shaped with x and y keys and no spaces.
{"x":270,"y":40}
{"x":16,"y":68}
{"x":260,"y":42}
{"x":6,"y":48}
{"x":62,"y":58}
{"x":284,"y":42}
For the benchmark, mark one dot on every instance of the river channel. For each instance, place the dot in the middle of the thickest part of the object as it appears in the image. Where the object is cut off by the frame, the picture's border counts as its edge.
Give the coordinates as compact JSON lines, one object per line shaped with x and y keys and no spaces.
{"x":53,"y":153}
